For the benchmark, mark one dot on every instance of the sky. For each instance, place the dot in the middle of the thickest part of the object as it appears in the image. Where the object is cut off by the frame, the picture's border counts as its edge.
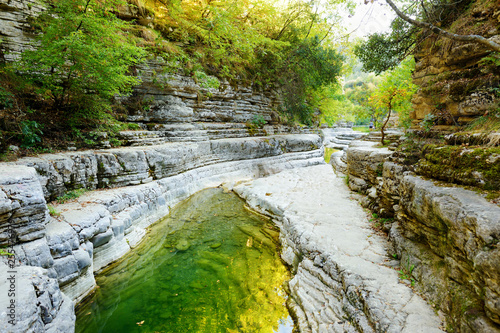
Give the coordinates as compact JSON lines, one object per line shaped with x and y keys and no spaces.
{"x":370,"y":18}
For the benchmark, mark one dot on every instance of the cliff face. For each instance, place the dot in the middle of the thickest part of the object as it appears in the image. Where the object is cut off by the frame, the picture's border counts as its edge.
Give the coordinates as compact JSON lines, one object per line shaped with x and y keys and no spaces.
{"x":168,"y":105}
{"x":15,"y":35}
{"x":457,"y":83}
{"x":446,"y":237}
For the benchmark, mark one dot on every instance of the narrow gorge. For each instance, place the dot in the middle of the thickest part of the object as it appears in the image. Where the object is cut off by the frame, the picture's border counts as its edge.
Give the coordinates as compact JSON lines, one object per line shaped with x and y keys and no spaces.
{"x":191,"y":188}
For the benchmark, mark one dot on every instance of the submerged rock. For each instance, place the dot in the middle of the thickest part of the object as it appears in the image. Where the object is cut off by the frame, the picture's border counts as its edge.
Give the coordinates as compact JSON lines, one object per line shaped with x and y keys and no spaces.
{"x":182,"y":245}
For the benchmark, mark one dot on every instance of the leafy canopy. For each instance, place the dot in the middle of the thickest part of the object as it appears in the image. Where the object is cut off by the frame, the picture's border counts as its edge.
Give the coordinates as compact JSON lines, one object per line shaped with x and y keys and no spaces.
{"x":263,"y":42}
{"x":384,"y":51}
{"x":83,"y":55}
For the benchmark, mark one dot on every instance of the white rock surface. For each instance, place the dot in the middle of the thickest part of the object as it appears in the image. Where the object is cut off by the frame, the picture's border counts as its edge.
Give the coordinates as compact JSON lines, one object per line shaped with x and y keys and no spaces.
{"x":37,"y":304}
{"x":342,"y":281}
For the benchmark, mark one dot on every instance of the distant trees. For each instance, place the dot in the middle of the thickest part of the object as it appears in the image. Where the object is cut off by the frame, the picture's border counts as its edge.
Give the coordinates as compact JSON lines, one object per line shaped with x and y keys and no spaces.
{"x":393,"y":94}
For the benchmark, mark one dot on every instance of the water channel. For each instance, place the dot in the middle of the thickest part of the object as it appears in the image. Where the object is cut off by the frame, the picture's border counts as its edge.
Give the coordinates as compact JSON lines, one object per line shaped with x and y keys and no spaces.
{"x":210,"y":266}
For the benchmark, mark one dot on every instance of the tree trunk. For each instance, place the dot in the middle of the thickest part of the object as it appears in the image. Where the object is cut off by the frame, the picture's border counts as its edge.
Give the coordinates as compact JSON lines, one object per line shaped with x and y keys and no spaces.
{"x":385,"y":123}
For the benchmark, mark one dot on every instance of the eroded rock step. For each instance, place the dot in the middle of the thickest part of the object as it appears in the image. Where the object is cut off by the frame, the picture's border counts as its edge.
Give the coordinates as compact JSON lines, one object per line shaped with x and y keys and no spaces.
{"x":343,"y":279}
{"x":62,"y":253}
{"x":200,"y":131}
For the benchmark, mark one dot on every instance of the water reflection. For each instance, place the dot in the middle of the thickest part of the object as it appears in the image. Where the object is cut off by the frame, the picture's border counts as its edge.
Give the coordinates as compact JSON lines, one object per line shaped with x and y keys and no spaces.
{"x":211,"y":266}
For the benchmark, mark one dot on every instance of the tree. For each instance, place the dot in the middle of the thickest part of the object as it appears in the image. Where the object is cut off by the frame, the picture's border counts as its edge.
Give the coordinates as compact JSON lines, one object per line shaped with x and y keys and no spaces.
{"x":383,"y":51}
{"x":333,"y":104}
{"x":358,"y":91}
{"x":83,"y":57}
{"x":489,"y":43}
{"x":394,"y":93}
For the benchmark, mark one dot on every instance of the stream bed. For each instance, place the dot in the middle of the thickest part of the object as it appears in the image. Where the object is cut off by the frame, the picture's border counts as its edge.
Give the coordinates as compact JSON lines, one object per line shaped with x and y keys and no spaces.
{"x":210,"y":266}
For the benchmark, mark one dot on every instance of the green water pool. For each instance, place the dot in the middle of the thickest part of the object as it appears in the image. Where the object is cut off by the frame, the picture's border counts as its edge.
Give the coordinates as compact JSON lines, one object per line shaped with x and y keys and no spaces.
{"x":210,"y":266}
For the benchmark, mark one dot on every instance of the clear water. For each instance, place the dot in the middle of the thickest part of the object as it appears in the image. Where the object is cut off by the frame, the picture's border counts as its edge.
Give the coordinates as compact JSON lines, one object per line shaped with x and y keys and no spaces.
{"x":210,"y":266}
{"x":328,"y":153}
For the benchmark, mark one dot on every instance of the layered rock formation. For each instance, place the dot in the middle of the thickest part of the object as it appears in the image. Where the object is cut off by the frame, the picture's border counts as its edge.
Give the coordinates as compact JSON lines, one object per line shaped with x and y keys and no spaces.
{"x":446,"y":237}
{"x":457,"y":84}
{"x":101,"y":226}
{"x":15,"y":31}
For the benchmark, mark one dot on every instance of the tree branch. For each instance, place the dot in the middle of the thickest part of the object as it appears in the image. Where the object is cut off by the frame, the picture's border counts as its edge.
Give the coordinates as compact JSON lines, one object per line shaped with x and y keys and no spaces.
{"x":464,"y":38}
{"x":84,"y":12}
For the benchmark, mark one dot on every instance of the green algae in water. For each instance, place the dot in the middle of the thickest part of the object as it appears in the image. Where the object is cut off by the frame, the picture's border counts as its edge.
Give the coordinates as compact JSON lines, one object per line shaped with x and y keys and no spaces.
{"x":328,"y":153}
{"x":211,"y":266}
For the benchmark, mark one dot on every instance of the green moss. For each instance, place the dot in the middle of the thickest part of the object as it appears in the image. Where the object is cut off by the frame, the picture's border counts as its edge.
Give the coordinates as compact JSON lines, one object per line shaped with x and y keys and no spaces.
{"x":380,"y":169}
{"x":461,"y":165}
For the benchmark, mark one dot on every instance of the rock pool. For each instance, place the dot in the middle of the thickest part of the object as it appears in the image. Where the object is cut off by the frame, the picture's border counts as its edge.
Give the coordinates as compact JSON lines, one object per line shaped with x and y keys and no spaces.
{"x":210,"y":266}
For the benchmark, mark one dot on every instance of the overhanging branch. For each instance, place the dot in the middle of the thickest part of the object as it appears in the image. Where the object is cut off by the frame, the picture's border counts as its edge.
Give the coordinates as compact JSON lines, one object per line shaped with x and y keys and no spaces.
{"x":464,"y":38}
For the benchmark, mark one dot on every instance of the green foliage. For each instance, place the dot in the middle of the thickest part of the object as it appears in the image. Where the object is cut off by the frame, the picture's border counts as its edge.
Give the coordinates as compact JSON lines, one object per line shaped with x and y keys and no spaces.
{"x":31,"y":132}
{"x":394,"y":93}
{"x":406,"y":272}
{"x":428,"y":122}
{"x":310,"y":73}
{"x":258,"y":121}
{"x":491,"y":62}
{"x":262,"y":42}
{"x":358,"y":91}
{"x":53,"y":211}
{"x":362,"y":129}
{"x":332,"y":104}
{"x":384,"y":51}
{"x":5,"y":253}
{"x":6,"y":99}
{"x":71,"y":195}
{"x":82,"y":59}
{"x":206,"y":81}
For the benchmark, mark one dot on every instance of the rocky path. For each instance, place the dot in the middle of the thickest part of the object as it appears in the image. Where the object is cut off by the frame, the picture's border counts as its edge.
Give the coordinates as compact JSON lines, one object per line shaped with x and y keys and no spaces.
{"x":344,"y":279}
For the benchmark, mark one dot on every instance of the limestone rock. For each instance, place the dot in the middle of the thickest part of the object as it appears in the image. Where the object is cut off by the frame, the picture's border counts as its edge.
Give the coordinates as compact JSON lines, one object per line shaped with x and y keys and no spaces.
{"x":39,"y":304}
{"x":462,"y":228}
{"x":340,"y":282}
{"x":22,"y":206}
{"x":365,"y":161}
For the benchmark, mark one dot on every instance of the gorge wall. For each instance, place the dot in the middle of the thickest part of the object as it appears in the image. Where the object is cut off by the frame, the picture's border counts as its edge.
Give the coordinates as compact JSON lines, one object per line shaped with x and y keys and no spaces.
{"x":457,"y":82}
{"x":446,"y":237}
{"x":55,"y":257}
{"x":168,"y":105}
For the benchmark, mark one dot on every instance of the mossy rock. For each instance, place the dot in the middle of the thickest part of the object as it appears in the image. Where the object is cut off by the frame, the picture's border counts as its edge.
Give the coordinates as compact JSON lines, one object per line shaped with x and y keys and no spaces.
{"x":461,"y":165}
{"x":182,"y":245}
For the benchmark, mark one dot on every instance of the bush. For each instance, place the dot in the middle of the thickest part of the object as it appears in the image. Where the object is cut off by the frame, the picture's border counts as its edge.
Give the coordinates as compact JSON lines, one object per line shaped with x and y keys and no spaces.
{"x":31,"y":131}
